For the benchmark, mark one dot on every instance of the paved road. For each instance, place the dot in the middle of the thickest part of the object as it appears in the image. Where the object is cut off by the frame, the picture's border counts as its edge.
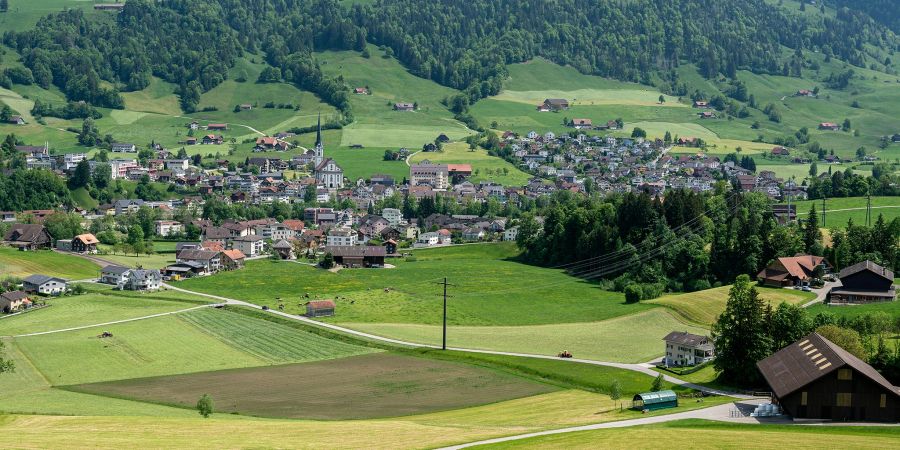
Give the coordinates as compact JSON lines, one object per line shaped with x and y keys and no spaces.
{"x":718,"y":412}
{"x":633,"y":367}
{"x":821,"y":293}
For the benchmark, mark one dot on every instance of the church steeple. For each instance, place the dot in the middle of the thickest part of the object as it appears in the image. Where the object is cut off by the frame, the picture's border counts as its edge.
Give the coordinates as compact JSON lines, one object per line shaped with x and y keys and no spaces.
{"x":319,"y":152}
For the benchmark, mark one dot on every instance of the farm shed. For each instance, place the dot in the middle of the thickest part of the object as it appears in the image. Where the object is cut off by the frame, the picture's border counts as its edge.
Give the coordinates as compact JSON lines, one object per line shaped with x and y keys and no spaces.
{"x":357,"y":255}
{"x":320,"y":308}
{"x":655,"y":400}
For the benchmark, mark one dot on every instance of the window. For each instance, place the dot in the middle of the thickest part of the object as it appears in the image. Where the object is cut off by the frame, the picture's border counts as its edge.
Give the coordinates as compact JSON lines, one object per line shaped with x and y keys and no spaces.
{"x":803,"y":398}
{"x":844,"y":399}
{"x":883,"y":403}
{"x":845,"y":374}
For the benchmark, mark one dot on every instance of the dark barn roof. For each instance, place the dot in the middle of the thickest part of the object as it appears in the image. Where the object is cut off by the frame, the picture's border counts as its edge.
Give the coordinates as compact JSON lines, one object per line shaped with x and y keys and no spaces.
{"x":685,"y":338}
{"x":803,"y":362}
{"x":356,"y":250}
{"x":867,"y":265}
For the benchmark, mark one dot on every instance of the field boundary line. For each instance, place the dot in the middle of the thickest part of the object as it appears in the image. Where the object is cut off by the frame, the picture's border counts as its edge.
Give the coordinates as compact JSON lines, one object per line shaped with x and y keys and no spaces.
{"x":115,"y":322}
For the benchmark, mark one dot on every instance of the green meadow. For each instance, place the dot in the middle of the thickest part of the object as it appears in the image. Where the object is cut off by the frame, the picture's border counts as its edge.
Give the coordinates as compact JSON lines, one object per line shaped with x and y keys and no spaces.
{"x":840,"y":210}
{"x":22,"y":264}
{"x":484,"y":167}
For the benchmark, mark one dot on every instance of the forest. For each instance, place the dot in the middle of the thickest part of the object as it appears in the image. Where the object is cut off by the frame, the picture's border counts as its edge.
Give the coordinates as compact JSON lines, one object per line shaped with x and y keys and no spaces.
{"x":688,"y":242}
{"x":464,"y":44}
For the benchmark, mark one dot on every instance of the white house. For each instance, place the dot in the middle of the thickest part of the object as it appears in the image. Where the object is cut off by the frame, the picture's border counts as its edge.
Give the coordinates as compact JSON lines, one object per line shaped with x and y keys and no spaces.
{"x":511,"y":234}
{"x":393,"y":215}
{"x":686,"y":349}
{"x":114,"y":275}
{"x":43,"y":284}
{"x":121,"y":147}
{"x":338,"y":237}
{"x":249,"y":245}
{"x":167,"y":228}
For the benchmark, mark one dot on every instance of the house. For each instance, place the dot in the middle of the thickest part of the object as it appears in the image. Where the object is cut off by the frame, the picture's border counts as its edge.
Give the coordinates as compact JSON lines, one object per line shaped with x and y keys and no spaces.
{"x":358,"y":255}
{"x":792,"y":271}
{"x":510,"y":234}
{"x":686,"y":349}
{"x":816,"y":379}
{"x":320,"y":308}
{"x":864,"y":282}
{"x":785,"y":214}
{"x":804,"y":93}
{"x":338,"y":237}
{"x":233,"y":259}
{"x":582,"y":124}
{"x":28,"y":237}
{"x":245,"y":106}
{"x":83,"y":243}
{"x":780,"y":151}
{"x":556,"y":104}
{"x":706,"y":115}
{"x":249,"y":245}
{"x":16,"y":120}
{"x":361,"y":91}
{"x":45,"y":285}
{"x":122,"y":147}
{"x":473,"y":234}
{"x":13,"y":300}
{"x":829,"y":126}
{"x":167,"y":228}
{"x":142,"y":280}
{"x":210,"y":260}
{"x":458,"y":172}
{"x":393,"y":216}
{"x":701,"y":104}
{"x":284,"y":249}
{"x":211,"y":139}
{"x":390,"y":247}
{"x":404,"y":107}
{"x":115,"y":275}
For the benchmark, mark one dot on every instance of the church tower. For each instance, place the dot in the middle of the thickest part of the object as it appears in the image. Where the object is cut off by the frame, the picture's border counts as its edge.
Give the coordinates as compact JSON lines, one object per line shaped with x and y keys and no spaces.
{"x":319,"y":152}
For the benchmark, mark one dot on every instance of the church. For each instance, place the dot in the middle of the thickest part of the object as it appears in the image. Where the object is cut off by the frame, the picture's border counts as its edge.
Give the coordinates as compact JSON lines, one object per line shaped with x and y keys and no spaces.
{"x":328,"y":173}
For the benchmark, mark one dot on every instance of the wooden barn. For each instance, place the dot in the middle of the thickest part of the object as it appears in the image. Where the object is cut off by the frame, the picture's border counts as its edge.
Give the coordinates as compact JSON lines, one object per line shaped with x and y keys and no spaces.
{"x":320,"y":308}
{"x":357,"y":255}
{"x":865,"y":282}
{"x":815,"y":379}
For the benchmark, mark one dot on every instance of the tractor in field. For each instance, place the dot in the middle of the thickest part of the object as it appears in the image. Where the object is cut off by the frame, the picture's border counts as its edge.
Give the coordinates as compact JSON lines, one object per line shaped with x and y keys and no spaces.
{"x":564,"y":354}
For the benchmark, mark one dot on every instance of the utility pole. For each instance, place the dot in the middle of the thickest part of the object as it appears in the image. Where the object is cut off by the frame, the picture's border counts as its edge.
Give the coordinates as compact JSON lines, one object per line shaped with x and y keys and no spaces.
{"x":444,"y":335}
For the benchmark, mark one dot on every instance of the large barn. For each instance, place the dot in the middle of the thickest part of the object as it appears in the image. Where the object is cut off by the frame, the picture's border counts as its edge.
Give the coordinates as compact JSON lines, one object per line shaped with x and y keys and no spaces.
{"x":815,"y":379}
{"x":357,"y":255}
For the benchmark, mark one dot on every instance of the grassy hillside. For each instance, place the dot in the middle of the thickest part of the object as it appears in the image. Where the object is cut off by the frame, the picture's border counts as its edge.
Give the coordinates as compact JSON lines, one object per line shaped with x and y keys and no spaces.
{"x":23,"y":264}
{"x":704,"y":307}
{"x":610,"y":340}
{"x":839,"y":210}
{"x":487,"y":291}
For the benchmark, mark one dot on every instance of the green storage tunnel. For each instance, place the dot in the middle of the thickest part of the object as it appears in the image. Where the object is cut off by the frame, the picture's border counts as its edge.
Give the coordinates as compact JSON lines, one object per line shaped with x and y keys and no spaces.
{"x":655,"y":400}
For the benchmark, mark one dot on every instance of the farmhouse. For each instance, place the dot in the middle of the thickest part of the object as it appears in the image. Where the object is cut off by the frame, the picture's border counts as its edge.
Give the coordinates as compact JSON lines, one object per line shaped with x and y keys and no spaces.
{"x":361,"y":91}
{"x":43,"y":284}
{"x":210,"y":261}
{"x":85,"y":243}
{"x":233,"y":259}
{"x":28,"y":237}
{"x":320,"y":308}
{"x":217,"y":126}
{"x":582,"y":124}
{"x":701,"y":104}
{"x":13,"y":300}
{"x":210,"y":139}
{"x":864,"y":282}
{"x":358,"y":255}
{"x":816,"y":379}
{"x":706,"y":115}
{"x":459,"y":171}
{"x":284,"y":249}
{"x":404,"y":107}
{"x":556,"y":104}
{"x":16,"y":120}
{"x":829,"y":126}
{"x":792,"y":271}
{"x":686,"y":349}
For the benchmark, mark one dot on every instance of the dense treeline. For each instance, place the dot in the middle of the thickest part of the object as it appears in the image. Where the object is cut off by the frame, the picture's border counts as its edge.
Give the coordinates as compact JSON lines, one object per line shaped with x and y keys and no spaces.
{"x":886,"y":12}
{"x":848,"y":184}
{"x":687,"y":242}
{"x":466,"y":43}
